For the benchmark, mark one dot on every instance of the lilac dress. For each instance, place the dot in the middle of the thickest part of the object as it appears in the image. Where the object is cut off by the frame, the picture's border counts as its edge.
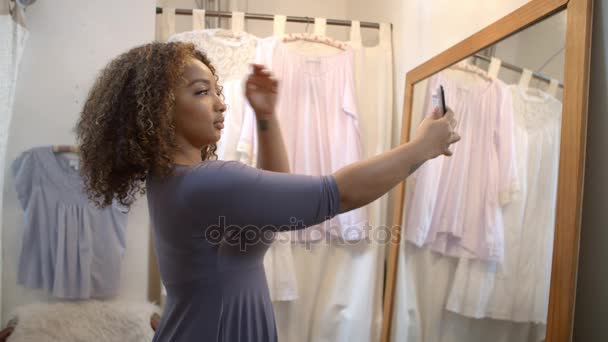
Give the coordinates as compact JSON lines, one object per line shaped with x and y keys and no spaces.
{"x":70,"y":249}
{"x":213,"y":223}
{"x":456,"y":204}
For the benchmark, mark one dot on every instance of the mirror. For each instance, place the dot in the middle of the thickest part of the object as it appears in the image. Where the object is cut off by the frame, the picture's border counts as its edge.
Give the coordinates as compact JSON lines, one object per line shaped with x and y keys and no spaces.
{"x":478,"y":227}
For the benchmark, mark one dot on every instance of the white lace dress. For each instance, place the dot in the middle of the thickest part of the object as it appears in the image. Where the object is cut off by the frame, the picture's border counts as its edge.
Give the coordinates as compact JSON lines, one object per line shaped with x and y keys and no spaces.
{"x":518,"y":289}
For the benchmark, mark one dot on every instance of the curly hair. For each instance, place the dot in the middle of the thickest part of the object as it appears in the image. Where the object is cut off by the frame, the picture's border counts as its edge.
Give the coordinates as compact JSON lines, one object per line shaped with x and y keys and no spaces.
{"x":126,"y":129}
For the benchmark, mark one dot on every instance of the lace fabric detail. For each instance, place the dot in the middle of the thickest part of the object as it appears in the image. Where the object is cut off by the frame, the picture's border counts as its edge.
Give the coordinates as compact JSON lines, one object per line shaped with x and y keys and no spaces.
{"x":229,"y":52}
{"x":535,"y":109}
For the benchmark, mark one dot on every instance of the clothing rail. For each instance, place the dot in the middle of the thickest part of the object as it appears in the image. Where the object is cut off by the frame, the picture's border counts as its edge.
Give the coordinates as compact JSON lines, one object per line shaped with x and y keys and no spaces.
{"x":517,"y":69}
{"x":269,"y":17}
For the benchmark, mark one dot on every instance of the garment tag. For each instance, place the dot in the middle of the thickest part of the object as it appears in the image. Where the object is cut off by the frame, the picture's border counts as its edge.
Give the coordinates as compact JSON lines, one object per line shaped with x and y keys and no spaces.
{"x":313,"y":60}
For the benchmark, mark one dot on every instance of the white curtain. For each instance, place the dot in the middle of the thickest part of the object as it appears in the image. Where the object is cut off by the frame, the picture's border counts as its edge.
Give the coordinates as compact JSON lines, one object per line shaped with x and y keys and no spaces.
{"x":13,"y":37}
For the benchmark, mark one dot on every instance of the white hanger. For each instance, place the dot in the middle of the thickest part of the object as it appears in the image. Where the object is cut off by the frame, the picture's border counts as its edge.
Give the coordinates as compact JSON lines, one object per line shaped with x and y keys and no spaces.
{"x":494,"y":67}
{"x":198,"y":19}
{"x":292,"y":37}
{"x":526,"y":76}
{"x":466,"y":67}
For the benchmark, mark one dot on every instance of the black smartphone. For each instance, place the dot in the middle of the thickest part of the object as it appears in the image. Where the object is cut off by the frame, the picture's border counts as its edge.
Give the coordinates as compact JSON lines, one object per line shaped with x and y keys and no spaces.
{"x":441,"y":96}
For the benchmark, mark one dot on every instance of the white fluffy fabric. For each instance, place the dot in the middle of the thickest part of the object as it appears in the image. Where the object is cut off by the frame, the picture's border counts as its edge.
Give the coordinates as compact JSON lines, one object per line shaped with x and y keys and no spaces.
{"x":100,"y":321}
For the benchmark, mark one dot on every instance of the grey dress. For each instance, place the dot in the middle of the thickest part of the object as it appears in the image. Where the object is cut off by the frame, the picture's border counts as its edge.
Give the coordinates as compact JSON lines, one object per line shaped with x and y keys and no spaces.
{"x":213,"y":223}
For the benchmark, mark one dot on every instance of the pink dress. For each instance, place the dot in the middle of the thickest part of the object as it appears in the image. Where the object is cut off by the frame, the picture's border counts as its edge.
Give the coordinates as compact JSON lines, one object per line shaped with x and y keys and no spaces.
{"x":455,"y":208}
{"x":318,"y":114}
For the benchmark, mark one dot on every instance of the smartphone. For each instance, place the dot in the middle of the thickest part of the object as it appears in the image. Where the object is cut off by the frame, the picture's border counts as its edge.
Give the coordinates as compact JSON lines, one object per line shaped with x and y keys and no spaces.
{"x":441,"y":98}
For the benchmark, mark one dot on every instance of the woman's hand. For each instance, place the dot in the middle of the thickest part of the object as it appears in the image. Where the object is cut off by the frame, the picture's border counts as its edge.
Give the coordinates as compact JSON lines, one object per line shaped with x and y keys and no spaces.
{"x":261,"y":91}
{"x":436,"y":133}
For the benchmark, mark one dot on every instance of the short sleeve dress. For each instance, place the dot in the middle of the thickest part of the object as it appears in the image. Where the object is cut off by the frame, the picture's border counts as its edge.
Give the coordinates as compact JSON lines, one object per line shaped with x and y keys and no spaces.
{"x":213,"y":222}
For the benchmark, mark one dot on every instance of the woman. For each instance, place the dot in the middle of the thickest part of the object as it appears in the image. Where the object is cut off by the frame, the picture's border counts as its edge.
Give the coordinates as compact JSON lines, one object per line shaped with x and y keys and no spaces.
{"x":153,"y":118}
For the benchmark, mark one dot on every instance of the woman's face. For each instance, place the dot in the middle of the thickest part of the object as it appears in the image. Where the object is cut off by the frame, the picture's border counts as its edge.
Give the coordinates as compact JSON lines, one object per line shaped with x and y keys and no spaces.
{"x":198,"y":111}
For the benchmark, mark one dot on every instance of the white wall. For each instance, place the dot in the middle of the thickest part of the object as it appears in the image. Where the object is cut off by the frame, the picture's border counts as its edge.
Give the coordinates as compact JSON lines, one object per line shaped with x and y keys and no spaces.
{"x":538,"y":45}
{"x":592,"y":288}
{"x":70,"y":41}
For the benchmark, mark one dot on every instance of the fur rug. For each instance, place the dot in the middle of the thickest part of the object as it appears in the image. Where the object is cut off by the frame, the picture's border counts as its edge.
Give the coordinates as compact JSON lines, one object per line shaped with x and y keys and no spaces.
{"x":84,"y":321}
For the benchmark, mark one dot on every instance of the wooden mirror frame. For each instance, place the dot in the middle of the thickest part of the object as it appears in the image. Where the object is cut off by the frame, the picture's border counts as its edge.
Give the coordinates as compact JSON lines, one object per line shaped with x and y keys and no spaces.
{"x":572,"y":149}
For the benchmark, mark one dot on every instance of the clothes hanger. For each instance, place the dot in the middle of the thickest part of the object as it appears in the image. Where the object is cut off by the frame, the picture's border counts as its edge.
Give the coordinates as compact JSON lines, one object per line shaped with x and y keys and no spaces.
{"x":65,"y":149}
{"x":313,"y":38}
{"x":467,"y":67}
{"x":292,"y":37}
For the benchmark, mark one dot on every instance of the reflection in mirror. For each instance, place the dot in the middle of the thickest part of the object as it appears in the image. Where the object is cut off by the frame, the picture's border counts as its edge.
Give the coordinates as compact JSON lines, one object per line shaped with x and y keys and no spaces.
{"x":475,"y":263}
